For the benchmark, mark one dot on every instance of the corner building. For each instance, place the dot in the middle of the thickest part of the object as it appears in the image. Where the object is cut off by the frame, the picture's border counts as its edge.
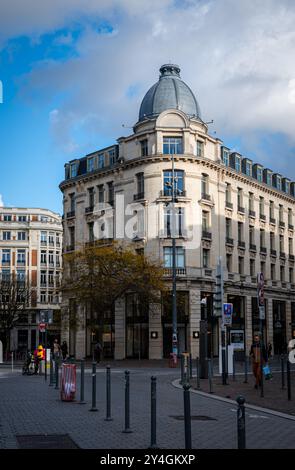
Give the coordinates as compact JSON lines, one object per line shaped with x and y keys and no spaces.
{"x":227,"y":206}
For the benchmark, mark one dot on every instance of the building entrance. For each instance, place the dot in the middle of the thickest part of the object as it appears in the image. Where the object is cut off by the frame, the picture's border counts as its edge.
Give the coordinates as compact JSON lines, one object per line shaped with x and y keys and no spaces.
{"x":182,"y":322}
{"x":279,"y":327}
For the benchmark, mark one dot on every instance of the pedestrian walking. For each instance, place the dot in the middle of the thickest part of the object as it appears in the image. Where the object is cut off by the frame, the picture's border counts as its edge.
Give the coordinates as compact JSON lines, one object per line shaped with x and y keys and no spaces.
{"x":64,"y":350}
{"x":97,"y":351}
{"x":56,"y":350}
{"x":255,"y":353}
{"x":269,"y":350}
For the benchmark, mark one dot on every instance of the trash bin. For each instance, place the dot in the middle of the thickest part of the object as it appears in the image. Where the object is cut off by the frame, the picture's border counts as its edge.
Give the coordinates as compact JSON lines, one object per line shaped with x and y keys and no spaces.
{"x":68,"y":382}
{"x":173,"y":360}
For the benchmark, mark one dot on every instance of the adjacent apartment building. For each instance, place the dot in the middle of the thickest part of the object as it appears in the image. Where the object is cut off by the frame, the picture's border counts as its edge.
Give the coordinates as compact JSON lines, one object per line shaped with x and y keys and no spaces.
{"x":227,"y":206}
{"x":31,"y":249}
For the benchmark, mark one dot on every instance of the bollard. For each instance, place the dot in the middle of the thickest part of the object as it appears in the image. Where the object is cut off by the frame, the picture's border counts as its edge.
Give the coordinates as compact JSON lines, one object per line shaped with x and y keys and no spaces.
{"x":210,"y":375}
{"x":82,"y":402}
{"x":182,"y":369}
{"x":93,"y":406}
{"x":246,"y":369}
{"x":288,"y":379}
{"x":12,"y":362}
{"x":153,"y":413}
{"x":108,"y":393}
{"x":234,"y":367}
{"x":241,"y":423}
{"x":190,"y":366}
{"x":127,"y":402}
{"x":283,"y":371}
{"x":56,"y":375}
{"x":198,"y":373}
{"x":51,"y":381}
{"x":187,"y":416}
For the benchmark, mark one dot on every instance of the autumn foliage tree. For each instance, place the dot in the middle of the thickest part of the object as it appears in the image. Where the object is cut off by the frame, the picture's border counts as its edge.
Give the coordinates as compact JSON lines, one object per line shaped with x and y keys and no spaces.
{"x":98,"y":275}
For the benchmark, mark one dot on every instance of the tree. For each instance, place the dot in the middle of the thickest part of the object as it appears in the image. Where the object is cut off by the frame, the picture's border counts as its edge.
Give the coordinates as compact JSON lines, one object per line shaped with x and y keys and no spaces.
{"x":15,"y":298}
{"x":98,"y":275}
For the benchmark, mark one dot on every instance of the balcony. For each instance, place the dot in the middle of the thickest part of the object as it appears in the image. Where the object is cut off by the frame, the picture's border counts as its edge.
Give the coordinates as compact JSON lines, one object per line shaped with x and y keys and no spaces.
{"x":282,"y":224}
{"x":274,"y":283}
{"x":206,"y":235}
{"x":272,"y":220}
{"x":282,"y":255}
{"x":290,"y":227}
{"x":229,"y":241}
{"x":263,"y":250}
{"x":208,"y":272}
{"x":241,"y":244}
{"x":273,"y":252}
{"x":206,"y":197}
{"x":138,"y":196}
{"x":252,"y":213}
{"x":252,"y":247}
{"x":231,"y":276}
{"x":228,"y":205}
{"x":241,"y":209}
{"x":168,"y":193}
{"x":71,"y":214}
{"x":89,"y":210}
{"x":291,"y":257}
{"x":262,"y":217}
{"x":179,"y":272}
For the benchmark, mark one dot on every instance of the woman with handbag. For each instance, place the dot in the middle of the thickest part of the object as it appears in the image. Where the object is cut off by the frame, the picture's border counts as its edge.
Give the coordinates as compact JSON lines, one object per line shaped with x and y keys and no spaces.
{"x":258,"y":349}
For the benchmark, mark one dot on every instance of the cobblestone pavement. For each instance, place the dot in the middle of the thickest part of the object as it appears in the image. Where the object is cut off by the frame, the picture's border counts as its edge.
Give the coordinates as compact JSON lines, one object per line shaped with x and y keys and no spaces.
{"x":29,"y":406}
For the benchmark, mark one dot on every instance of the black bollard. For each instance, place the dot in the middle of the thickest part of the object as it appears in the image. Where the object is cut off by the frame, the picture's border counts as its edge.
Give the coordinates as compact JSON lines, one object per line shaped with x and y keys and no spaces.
{"x":108,"y":393}
{"x":246,"y":369}
{"x":187,"y":416}
{"x":283,"y":371}
{"x":241,"y":423}
{"x":288,"y":379}
{"x":82,"y":402}
{"x":127,"y":402}
{"x":190,"y":366}
{"x":198,"y":373}
{"x":234,"y":367}
{"x":153,"y":413}
{"x":182,"y":369}
{"x":56,"y":374}
{"x":210,"y":375}
{"x":51,"y":381}
{"x":93,"y":407}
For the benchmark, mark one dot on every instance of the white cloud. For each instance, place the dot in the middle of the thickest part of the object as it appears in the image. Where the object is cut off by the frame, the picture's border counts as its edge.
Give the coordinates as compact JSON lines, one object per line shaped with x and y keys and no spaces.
{"x":1,"y":201}
{"x":236,"y":56}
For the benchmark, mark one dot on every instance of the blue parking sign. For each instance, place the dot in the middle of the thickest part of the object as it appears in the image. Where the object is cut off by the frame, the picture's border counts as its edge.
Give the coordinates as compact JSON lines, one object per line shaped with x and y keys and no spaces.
{"x":227,"y":314}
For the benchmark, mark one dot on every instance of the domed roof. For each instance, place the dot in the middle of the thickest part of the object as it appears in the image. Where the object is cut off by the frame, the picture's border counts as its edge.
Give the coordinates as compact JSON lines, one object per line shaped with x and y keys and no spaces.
{"x":169,"y":92}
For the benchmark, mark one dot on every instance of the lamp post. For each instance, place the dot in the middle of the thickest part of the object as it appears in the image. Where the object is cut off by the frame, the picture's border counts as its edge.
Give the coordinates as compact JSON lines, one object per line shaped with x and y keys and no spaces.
{"x":174,"y":294}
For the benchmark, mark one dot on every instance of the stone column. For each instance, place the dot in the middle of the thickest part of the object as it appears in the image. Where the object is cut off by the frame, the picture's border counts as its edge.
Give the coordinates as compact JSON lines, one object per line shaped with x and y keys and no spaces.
{"x":155,"y":325}
{"x":120,"y":329}
{"x":194,"y":320}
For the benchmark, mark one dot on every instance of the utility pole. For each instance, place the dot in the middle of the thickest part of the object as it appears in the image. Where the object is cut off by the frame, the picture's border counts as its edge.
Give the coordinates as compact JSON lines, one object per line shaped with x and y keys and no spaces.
{"x":218,"y":312}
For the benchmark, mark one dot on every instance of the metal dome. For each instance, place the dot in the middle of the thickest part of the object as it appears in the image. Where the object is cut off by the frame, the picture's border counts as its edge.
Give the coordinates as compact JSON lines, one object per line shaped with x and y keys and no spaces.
{"x":169,"y":92}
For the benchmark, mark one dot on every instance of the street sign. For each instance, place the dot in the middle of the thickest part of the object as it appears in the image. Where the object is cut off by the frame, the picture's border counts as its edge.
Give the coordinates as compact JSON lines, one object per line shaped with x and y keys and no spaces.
{"x":227,"y":314}
{"x":42,"y":327}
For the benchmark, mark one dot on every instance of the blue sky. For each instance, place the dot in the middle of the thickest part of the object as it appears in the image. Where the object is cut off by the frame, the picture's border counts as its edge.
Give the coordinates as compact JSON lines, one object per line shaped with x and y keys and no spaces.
{"x":73,"y":72}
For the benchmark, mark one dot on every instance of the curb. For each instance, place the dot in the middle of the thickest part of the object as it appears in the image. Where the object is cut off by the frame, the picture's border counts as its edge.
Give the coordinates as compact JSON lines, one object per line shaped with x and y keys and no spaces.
{"x":279,"y":414}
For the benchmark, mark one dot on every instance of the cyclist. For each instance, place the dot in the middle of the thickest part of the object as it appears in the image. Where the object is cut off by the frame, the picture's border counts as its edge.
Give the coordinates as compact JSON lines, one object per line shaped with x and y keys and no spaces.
{"x":29,"y":360}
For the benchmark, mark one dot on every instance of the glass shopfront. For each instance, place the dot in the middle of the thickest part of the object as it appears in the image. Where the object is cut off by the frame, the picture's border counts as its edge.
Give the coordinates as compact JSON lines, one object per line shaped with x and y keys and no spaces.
{"x":238,"y":320}
{"x":213,"y":326}
{"x":256,"y":322}
{"x":137,"y":328}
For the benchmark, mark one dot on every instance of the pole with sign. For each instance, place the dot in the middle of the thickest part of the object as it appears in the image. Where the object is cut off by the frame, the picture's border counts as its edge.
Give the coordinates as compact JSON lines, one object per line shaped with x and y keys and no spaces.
{"x":261,"y":308}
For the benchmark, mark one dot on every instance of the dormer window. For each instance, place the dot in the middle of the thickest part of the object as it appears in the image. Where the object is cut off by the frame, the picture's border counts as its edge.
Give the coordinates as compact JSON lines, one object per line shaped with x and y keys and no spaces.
{"x":73,"y":170}
{"x":247,"y":167}
{"x":144,"y":147}
{"x":200,"y":149}
{"x":91,"y":164}
{"x":238,"y":163}
{"x":112,"y":157}
{"x":172,"y":145}
{"x":225,"y":156}
{"x":101,"y":160}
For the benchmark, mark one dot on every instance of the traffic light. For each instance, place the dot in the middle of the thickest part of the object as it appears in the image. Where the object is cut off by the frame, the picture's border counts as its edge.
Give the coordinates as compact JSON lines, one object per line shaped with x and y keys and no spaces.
{"x":218,"y":295}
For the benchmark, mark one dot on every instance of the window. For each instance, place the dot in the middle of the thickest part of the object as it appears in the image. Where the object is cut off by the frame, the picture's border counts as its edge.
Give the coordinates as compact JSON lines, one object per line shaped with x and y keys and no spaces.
{"x":241,"y":265}
{"x":91,"y":164}
{"x":91,"y":197}
{"x":172,"y":145}
{"x":290,"y":218}
{"x":251,"y":202}
{"x":205,"y":221}
{"x":51,"y":238}
{"x":21,"y":236}
{"x":21,"y":257}
{"x":228,"y":193}
{"x":72,"y":202}
{"x":101,"y":160}
{"x":200,"y":149}
{"x":271,"y":210}
{"x":140,"y":184}
{"x":51,"y":258}
{"x":279,"y":183}
{"x":43,"y":297}
{"x":290,"y":246}
{"x":262,"y":238}
{"x":179,"y":257}
{"x":179,"y":222}
{"x":228,"y":228}
{"x":111,"y":193}
{"x":73,"y":170}
{"x":6,"y":236}
{"x":252,"y":267}
{"x":144,"y":147}
{"x":57,"y":259}
{"x":21,"y":276}
{"x":229,"y":262}
{"x":100,"y":193}
{"x":6,"y":257}
{"x":7,"y":218}
{"x":281,"y":213}
{"x":112,"y":157}
{"x":5,"y":275}
{"x":238,"y":163}
{"x":91,"y":231}
{"x":259,"y":174}
{"x":240,"y":198}
{"x":51,"y":278}
{"x":262,"y":267}
{"x":43,"y":257}
{"x":43,"y":238}
{"x":281,"y":243}
{"x":261,"y":206}
{"x":43,"y":278}
{"x":206,"y":258}
{"x":282,"y":273}
{"x":178,"y":182}
{"x":205,"y":185}
{"x":273,"y":271}
{"x":272,"y":240}
{"x":72,"y":236}
{"x":225,"y":156}
{"x":251,"y":235}
{"x":269,"y":178}
{"x":248,"y":168}
{"x":240,"y":231}
{"x":291,"y":275}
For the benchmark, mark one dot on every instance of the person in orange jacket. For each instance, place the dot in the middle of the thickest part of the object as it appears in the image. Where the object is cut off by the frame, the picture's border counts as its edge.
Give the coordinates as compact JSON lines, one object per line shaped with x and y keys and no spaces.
{"x":39,"y":355}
